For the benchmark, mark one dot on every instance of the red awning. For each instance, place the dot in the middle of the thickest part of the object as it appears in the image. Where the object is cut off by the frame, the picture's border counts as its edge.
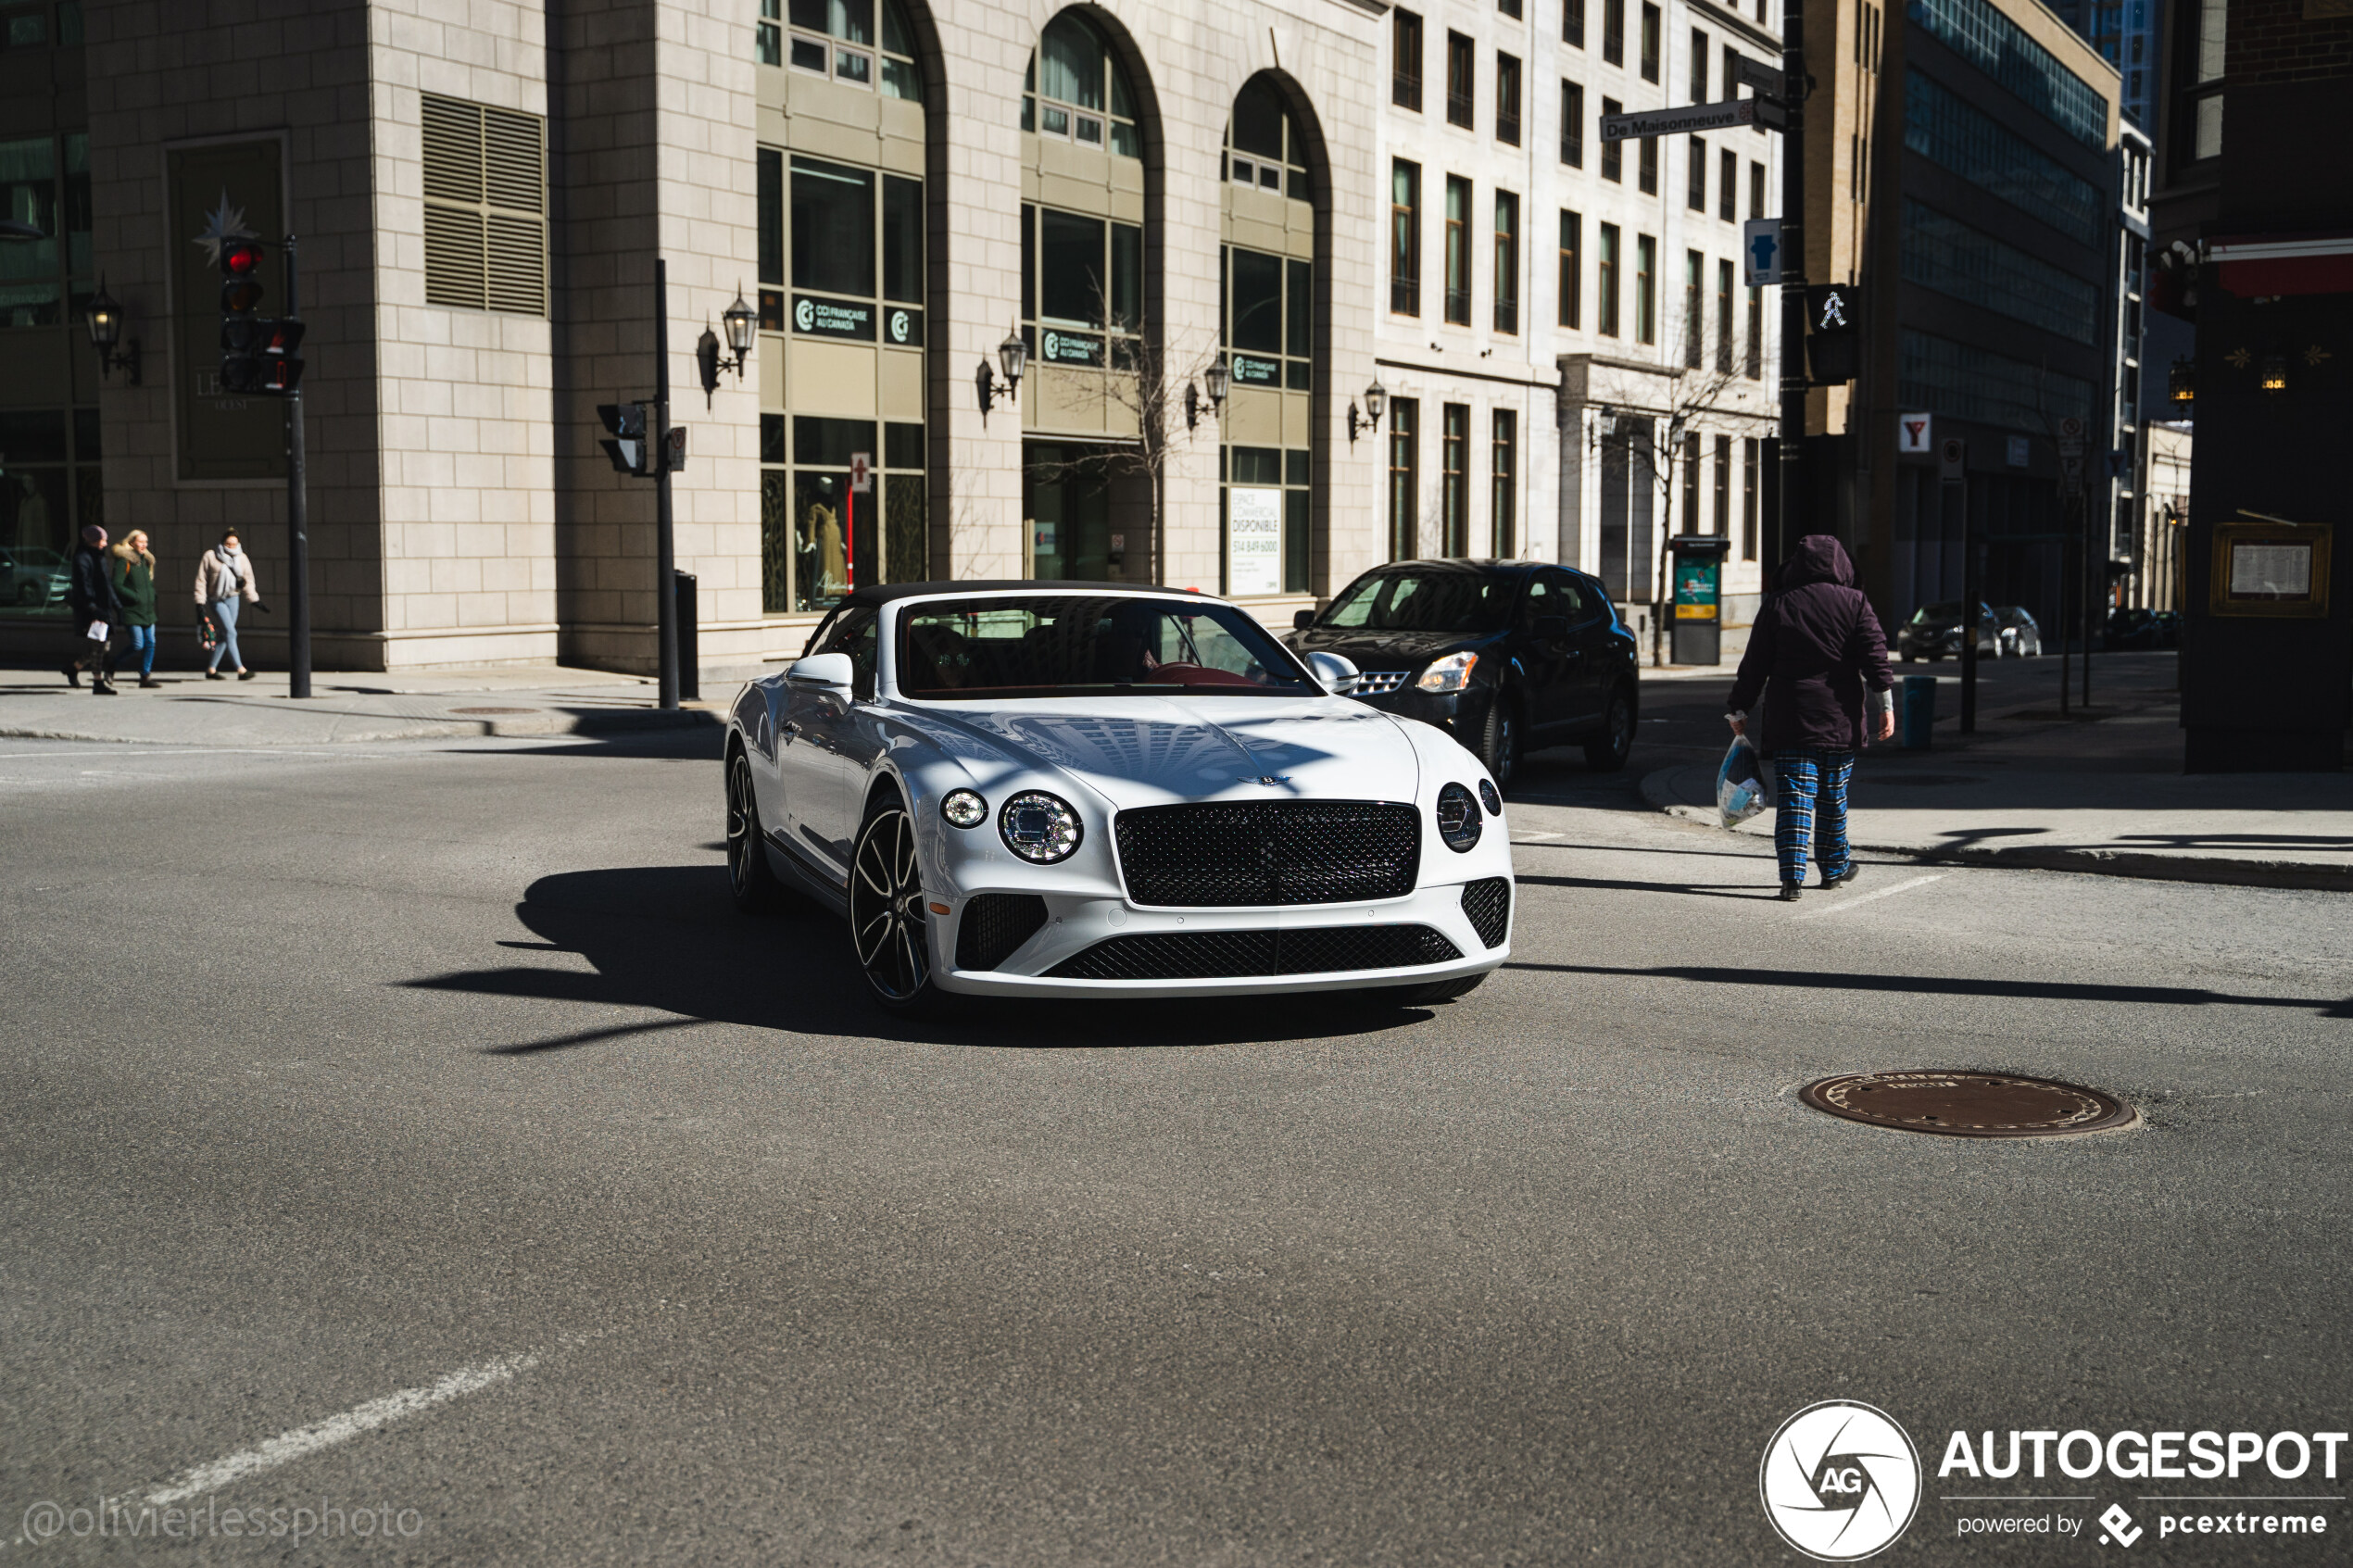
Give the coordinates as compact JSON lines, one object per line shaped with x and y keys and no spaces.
{"x":2258,"y":266}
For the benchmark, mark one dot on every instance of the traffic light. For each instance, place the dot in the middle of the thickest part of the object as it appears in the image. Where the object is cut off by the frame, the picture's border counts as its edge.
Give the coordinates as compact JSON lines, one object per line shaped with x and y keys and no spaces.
{"x":281,"y":366}
{"x":1834,"y":337}
{"x":241,"y":331}
{"x":625,"y":423}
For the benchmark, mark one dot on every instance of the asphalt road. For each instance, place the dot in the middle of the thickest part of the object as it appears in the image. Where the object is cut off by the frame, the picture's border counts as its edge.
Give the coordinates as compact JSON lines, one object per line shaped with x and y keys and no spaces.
{"x":433,"y":1094}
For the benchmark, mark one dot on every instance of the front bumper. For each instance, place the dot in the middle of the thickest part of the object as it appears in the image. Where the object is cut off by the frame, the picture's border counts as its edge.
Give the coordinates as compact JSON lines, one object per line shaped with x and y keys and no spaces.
{"x":1076,"y":924}
{"x":1458,"y":714}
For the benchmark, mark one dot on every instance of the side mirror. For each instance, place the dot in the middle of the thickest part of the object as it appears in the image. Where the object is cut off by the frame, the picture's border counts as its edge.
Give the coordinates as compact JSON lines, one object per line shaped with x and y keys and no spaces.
{"x":1551,"y":628}
{"x":829,"y":671}
{"x":1300,"y":619}
{"x":1338,"y":675}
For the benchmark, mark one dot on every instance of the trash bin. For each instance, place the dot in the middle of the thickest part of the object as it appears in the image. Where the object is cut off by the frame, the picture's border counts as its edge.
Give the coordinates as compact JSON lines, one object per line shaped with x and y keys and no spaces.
{"x":689,"y":663}
{"x":1919,"y":712}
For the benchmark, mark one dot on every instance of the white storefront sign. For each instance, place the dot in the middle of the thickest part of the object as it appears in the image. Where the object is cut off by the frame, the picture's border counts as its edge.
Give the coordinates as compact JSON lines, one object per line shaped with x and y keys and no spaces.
{"x":1253,"y":542}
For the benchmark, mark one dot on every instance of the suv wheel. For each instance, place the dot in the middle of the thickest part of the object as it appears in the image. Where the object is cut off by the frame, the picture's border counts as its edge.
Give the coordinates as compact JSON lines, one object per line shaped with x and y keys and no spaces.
{"x":1606,"y":753}
{"x":1499,"y":740}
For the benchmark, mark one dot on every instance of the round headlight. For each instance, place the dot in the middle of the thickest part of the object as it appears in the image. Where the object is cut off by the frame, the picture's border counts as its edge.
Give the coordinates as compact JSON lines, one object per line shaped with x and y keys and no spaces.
{"x":1039,"y":827}
{"x":1458,"y":821}
{"x":963,"y":808}
{"x":1488,"y":798}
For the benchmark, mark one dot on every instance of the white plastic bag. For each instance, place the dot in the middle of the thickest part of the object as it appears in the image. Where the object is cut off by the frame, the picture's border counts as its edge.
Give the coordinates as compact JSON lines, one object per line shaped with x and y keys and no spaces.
{"x":1743,"y":783}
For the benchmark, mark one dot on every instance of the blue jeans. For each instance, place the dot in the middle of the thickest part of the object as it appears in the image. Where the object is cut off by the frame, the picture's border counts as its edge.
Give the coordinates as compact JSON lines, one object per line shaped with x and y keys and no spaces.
{"x":224,"y":615}
{"x":1813,"y":794}
{"x":142,"y":642}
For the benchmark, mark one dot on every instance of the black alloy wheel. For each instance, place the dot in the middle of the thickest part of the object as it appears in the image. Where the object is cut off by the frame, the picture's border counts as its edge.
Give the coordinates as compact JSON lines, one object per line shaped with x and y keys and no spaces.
{"x":889,"y":925}
{"x":1499,"y":739}
{"x":749,"y":877}
{"x":1607,"y":752}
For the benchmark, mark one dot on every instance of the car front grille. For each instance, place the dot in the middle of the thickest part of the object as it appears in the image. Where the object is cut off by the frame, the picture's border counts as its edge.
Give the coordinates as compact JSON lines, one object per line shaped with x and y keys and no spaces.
{"x":1378,"y":683}
{"x":1233,"y":954}
{"x":994,"y":927}
{"x":1488,"y":904}
{"x":1258,"y":852}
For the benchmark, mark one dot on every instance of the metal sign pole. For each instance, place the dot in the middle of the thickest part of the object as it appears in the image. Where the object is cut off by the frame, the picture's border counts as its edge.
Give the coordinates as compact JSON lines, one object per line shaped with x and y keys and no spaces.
{"x":297,"y":516}
{"x":665,"y":554}
{"x":1795,"y":494}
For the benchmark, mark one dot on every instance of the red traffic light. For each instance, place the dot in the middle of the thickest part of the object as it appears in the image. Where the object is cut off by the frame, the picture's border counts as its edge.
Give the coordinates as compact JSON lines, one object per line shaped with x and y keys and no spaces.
{"x":239,"y":258}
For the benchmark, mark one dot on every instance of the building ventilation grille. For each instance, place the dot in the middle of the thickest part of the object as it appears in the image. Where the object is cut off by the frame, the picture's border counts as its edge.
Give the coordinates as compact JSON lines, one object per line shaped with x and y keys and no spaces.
{"x":486,"y":208}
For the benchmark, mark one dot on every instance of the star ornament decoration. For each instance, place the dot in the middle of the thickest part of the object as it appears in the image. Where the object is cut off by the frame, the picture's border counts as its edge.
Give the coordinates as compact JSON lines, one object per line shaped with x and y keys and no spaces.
{"x":1841,"y":1481}
{"x":222,"y":224}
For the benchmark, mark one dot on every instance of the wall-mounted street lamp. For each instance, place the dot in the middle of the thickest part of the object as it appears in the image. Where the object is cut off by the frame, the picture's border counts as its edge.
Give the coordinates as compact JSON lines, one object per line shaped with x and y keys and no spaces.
{"x":1219,"y":380}
{"x":741,"y":325}
{"x":1376,"y":403}
{"x":1013,"y":356}
{"x":2275,"y":374}
{"x":1605,"y":426}
{"x":2182,"y":384}
{"x":105,"y":331}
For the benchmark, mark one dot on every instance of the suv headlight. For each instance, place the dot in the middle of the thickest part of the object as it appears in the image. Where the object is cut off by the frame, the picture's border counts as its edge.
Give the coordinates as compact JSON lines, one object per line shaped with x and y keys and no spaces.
{"x":1040,"y":828}
{"x":1458,"y":820}
{"x":1449,"y":674}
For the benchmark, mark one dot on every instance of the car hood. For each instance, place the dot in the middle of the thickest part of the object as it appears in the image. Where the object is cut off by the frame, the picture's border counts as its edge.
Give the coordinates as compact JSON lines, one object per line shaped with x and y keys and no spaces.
{"x":1387,"y":650}
{"x":1156,"y":751}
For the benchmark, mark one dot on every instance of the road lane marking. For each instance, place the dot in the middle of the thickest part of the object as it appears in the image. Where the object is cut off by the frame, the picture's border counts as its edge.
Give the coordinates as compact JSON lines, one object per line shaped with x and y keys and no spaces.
{"x":302,"y":1440}
{"x":1846,"y":904}
{"x":1536,"y":838}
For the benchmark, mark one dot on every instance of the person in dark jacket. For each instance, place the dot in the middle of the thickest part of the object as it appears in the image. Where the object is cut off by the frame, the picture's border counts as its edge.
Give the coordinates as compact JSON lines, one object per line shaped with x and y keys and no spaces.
{"x":135,"y":585}
{"x":1815,"y":651}
{"x":90,"y":601}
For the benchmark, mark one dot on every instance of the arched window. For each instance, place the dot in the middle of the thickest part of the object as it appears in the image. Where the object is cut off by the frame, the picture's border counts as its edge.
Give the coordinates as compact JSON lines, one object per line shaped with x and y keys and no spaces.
{"x":1084,"y":95}
{"x":1265,"y":149}
{"x":837,"y":39}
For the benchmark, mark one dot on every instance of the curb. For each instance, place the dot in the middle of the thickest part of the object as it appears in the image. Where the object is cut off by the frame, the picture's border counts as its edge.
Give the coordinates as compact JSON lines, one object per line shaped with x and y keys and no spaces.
{"x":525,"y":726}
{"x":2138,"y":865}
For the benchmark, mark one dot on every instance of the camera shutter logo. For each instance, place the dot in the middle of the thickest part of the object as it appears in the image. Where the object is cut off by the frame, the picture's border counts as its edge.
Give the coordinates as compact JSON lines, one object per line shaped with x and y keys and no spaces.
{"x":1841,"y":1481}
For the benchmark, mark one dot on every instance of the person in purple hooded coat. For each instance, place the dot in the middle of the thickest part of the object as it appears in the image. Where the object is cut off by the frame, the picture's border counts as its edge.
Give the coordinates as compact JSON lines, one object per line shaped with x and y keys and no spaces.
{"x":1814,"y":652}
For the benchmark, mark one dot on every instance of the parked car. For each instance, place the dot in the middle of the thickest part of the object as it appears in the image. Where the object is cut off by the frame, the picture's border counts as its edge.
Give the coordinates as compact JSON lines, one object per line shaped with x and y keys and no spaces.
{"x":2017,"y":633}
{"x":1934,"y":632}
{"x":32,"y":577}
{"x":1504,"y":656}
{"x":2134,"y":631}
{"x":1068,"y":789}
{"x":2169,"y":628}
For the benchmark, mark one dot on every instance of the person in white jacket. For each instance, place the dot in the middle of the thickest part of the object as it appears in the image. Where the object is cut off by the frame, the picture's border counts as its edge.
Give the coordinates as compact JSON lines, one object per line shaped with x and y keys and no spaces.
{"x":224,"y":579}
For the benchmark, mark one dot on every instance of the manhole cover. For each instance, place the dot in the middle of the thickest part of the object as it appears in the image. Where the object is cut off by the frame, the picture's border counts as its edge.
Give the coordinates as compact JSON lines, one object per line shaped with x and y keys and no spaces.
{"x":493,"y":710}
{"x":1968,"y":1104}
{"x":1921,"y":781}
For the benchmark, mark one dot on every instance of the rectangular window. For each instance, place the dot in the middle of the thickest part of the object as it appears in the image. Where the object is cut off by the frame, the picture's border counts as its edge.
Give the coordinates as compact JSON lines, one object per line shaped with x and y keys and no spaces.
{"x":1722,"y":523}
{"x":1613,"y":153}
{"x":1699,"y":66}
{"x":772,"y":217}
{"x":1696,"y":180}
{"x":1947,"y":131}
{"x":485,"y":217}
{"x":1258,"y":302}
{"x":1756,"y":190}
{"x":1405,"y":60}
{"x":1029,"y":262}
{"x":1405,"y":238}
{"x":1509,"y":7}
{"x":1453,"y":481}
{"x":1954,"y":259}
{"x":1572,"y":125}
{"x":1614,"y":32}
{"x":1127,"y":277}
{"x":1727,"y":186}
{"x":1691,"y":518}
{"x":1694,"y":306}
{"x":1647,"y":166}
{"x":1404,"y":478}
{"x":832,"y":227}
{"x":1461,"y":72}
{"x":1506,"y":262}
{"x":1754,"y":367}
{"x":1508,"y":100}
{"x":1573,"y":23}
{"x":1504,"y":483}
{"x":903,"y":240}
{"x":1458,"y":298}
{"x":1649,"y":42}
{"x":1645,"y":289}
{"x":1070,"y":269}
{"x":1971,"y":383}
{"x":1724,"y":318}
{"x":1299,"y":313}
{"x":1731,"y":76}
{"x":1986,"y":38}
{"x":1605,"y":280}
{"x":1749,"y":496}
{"x":1572,"y":242}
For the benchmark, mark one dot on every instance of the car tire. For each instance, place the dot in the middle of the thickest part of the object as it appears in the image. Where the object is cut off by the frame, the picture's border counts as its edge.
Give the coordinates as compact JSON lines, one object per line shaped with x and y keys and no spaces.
{"x":749,"y":877}
{"x":1607,"y":752}
{"x":889,"y":928}
{"x":1499,"y":739}
{"x":1908,"y":657}
{"x":1429,"y":995}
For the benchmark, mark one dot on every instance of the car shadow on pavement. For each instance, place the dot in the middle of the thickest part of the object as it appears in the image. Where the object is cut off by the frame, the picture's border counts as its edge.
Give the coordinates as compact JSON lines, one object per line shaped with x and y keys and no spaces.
{"x":668,"y":938}
{"x":1687,"y":889}
{"x":1953,"y":985}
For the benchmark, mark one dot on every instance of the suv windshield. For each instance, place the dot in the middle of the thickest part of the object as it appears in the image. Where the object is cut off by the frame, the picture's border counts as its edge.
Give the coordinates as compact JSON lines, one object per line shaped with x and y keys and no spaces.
{"x":1424,"y":601}
{"x":1937,"y":613}
{"x":1033,"y":646}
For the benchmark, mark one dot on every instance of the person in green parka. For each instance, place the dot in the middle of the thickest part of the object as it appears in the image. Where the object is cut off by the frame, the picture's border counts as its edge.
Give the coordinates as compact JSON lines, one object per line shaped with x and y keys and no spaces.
{"x":135,"y":585}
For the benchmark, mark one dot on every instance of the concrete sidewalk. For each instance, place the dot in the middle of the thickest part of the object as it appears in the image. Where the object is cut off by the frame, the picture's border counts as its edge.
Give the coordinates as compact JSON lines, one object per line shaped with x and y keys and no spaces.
{"x":187,"y":709}
{"x":2099,"y":794}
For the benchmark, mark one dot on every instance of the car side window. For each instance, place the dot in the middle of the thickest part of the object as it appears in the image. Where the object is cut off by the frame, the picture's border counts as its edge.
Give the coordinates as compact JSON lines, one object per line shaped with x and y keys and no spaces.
{"x":1541,"y":602}
{"x":855,"y":634}
{"x":1560,"y":597}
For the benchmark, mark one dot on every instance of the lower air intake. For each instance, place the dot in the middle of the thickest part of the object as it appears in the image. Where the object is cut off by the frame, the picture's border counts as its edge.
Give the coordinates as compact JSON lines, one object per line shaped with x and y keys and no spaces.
{"x":1228,"y":955}
{"x":994,"y":927}
{"x":1488,"y":904}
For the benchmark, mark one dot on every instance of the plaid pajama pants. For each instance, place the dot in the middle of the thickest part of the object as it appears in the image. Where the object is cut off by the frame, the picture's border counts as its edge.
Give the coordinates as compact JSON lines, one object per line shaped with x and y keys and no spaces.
{"x":1810,"y":783}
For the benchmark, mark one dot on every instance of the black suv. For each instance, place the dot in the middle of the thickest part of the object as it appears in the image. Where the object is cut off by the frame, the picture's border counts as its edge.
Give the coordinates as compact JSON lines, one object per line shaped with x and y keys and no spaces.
{"x":1934,"y":630}
{"x":1504,"y":656}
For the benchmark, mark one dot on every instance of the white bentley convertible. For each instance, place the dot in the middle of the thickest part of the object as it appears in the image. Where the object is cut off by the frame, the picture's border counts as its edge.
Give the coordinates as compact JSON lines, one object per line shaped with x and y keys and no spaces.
{"x":1059,"y":789}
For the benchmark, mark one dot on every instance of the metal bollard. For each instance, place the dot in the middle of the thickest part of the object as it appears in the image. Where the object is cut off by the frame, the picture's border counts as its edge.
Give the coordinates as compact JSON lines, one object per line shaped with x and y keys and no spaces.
{"x":1919,"y":712}
{"x":689,"y":656}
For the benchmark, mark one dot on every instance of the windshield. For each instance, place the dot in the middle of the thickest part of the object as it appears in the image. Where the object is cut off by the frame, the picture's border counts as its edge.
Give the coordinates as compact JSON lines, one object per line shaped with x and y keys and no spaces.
{"x":1938,"y":612}
{"x":1424,"y":601}
{"x":1033,"y":646}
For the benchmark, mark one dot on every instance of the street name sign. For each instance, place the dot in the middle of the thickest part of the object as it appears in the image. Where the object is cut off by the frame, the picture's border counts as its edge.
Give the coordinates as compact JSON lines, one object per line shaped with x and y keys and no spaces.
{"x":1673,"y":122}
